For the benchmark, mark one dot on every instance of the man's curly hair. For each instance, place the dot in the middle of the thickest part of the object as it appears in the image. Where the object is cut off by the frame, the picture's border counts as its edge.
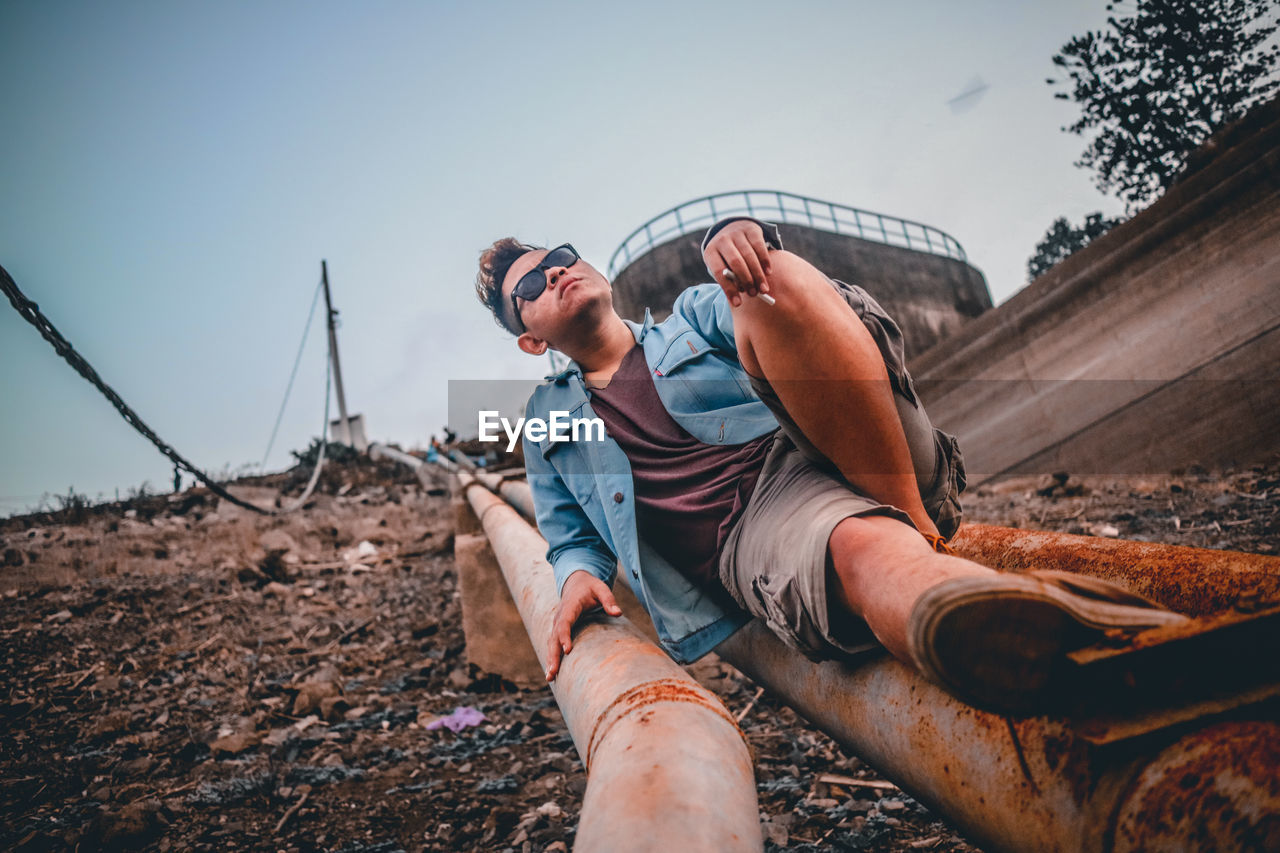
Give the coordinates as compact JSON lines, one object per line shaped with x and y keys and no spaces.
{"x":495,"y":262}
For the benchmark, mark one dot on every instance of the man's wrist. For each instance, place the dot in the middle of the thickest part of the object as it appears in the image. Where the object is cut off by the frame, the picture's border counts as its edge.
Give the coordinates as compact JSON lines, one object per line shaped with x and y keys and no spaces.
{"x":771,"y":235}
{"x":571,"y":579}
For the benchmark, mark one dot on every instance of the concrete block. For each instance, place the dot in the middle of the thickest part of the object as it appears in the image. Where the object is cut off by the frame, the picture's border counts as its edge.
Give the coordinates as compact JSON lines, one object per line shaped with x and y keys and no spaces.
{"x":496,"y":638}
{"x":464,"y":520}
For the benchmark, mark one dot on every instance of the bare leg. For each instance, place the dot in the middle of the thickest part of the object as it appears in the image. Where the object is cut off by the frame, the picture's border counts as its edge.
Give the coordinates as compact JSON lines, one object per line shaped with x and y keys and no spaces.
{"x":882,"y":567}
{"x":994,"y":640}
{"x":831,"y":378}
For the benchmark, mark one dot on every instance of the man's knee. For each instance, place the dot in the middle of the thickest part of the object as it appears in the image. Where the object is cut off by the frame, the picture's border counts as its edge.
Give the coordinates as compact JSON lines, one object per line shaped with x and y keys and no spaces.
{"x":791,"y":275}
{"x":875,"y":538}
{"x":800,"y":291}
{"x":865,"y":550}
{"x":810,"y":320}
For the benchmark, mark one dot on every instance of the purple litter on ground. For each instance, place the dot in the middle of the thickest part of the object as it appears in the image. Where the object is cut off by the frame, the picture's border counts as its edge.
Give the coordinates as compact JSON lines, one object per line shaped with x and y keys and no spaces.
{"x":461,"y":718}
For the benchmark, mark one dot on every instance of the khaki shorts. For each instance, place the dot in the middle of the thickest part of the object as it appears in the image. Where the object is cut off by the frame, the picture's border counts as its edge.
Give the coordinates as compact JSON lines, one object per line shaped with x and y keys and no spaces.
{"x":774,"y":561}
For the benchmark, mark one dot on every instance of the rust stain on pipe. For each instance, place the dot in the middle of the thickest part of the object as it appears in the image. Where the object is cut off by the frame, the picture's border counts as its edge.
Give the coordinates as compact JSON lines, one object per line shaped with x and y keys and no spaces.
{"x":642,"y":696}
{"x":1215,"y":789}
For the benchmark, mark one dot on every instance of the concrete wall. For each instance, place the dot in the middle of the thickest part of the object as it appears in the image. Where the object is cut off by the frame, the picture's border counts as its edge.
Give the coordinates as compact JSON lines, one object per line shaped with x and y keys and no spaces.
{"x":1156,"y":347}
{"x":930,"y":296}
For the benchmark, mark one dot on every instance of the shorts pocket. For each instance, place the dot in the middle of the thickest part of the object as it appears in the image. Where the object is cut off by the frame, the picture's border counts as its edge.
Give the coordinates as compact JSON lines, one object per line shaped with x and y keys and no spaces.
{"x":767,"y":607}
{"x":782,"y":610}
{"x":948,"y":512}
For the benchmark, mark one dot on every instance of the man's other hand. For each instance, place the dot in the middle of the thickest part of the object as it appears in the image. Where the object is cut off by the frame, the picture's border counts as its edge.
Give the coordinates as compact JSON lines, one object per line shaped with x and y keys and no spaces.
{"x":581,"y":592}
{"x":740,"y":249}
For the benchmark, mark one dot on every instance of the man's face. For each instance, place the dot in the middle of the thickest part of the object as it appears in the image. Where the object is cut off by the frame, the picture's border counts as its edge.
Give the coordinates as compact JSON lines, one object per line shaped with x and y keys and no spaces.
{"x":573,"y":301}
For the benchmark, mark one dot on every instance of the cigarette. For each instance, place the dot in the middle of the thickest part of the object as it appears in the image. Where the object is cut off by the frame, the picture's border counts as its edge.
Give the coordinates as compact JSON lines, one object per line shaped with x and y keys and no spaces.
{"x":766,"y":298}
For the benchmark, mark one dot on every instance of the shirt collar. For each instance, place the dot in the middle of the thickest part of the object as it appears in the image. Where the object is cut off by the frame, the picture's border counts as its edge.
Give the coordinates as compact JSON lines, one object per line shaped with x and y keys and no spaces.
{"x":637,"y":329}
{"x":641,"y":329}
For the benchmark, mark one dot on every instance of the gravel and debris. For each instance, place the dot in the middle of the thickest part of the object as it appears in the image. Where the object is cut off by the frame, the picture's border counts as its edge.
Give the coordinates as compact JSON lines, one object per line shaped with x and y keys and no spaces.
{"x":180,"y":674}
{"x":1237,"y":510}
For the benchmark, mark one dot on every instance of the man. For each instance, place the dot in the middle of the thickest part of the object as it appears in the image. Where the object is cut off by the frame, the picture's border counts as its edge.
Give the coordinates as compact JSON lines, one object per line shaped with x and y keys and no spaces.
{"x":766,"y":456}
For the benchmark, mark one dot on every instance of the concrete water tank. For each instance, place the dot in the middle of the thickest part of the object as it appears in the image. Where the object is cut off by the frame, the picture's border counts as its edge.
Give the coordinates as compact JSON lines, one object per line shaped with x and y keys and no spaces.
{"x":918,"y":273}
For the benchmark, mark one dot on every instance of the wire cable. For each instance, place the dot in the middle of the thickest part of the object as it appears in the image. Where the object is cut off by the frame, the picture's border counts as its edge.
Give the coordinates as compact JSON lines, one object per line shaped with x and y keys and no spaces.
{"x":315,"y":299}
{"x":324,"y":440}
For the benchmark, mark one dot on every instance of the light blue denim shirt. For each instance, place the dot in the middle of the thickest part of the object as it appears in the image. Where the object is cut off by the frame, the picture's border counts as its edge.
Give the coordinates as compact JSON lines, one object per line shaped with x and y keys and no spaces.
{"x":583,"y":492}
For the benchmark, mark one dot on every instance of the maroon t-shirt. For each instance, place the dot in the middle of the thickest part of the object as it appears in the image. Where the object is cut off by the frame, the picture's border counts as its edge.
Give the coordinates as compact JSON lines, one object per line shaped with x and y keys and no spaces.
{"x":688,"y":494}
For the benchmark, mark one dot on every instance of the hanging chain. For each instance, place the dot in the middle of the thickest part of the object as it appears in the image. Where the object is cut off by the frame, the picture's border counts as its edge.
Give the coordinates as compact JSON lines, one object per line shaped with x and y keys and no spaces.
{"x":31,"y":313}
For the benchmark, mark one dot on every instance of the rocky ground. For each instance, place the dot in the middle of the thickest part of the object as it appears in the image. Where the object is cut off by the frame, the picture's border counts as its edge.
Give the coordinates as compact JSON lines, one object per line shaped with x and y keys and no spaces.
{"x":180,"y":674}
{"x":1237,"y":510}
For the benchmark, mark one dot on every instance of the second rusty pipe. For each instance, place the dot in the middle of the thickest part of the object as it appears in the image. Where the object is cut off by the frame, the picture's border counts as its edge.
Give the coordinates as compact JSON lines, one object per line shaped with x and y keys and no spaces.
{"x":667,"y":766}
{"x":1034,"y":783}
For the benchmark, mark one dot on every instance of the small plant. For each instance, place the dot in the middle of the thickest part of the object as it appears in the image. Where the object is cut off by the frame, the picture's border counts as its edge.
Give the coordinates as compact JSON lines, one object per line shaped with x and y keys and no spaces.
{"x":72,"y":505}
{"x":72,"y":500}
{"x":338,"y":453}
{"x":227,"y":474}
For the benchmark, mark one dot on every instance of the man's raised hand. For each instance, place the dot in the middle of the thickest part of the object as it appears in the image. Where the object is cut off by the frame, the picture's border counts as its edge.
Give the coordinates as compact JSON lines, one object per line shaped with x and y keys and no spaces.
{"x":581,"y":592}
{"x":738,"y":259}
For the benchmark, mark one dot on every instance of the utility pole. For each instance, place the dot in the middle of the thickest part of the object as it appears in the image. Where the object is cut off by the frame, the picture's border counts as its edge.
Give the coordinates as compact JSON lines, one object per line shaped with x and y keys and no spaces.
{"x":346,"y":434}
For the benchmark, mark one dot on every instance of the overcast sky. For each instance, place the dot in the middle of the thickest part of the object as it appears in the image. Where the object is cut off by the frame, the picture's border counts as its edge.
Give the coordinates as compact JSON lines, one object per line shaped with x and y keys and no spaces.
{"x":172,"y":175}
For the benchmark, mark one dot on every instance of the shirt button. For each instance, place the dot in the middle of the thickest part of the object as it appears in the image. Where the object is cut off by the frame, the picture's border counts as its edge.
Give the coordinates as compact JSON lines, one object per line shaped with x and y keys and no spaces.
{"x":635,"y":574}
{"x":617,"y":497}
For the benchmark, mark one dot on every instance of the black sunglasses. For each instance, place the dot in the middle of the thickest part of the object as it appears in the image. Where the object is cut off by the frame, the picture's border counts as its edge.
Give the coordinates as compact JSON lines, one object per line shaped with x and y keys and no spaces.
{"x":534,"y":282}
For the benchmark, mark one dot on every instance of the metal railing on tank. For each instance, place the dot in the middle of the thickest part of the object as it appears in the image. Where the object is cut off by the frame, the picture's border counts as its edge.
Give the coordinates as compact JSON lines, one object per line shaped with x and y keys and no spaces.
{"x":781,"y":207}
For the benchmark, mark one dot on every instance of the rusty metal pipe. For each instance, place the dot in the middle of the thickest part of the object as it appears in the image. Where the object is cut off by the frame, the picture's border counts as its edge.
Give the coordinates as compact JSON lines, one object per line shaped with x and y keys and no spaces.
{"x":1195,"y":581}
{"x":668,"y":769}
{"x":430,"y":474}
{"x":381,"y":451}
{"x":514,"y":492}
{"x":1033,"y":784}
{"x":463,"y":460}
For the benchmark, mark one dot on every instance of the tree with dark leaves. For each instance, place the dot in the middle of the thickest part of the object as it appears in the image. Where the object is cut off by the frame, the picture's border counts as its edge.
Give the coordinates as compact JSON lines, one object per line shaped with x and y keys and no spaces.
{"x":1158,"y":81}
{"x":1063,"y":238}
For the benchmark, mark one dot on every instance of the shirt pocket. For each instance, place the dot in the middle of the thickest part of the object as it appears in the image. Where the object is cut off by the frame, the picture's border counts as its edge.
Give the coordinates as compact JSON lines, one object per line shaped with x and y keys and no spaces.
{"x":696,"y":377}
{"x":569,"y":462}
